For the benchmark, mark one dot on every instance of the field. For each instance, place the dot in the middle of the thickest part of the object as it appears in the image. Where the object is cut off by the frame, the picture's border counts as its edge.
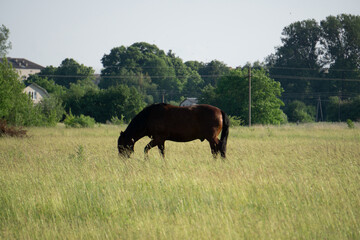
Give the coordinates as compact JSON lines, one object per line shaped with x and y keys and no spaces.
{"x":286,"y":182}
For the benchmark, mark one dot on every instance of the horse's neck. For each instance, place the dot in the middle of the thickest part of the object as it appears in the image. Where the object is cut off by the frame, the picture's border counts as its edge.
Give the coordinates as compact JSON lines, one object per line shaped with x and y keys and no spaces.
{"x":137,"y":136}
{"x":136,"y":133}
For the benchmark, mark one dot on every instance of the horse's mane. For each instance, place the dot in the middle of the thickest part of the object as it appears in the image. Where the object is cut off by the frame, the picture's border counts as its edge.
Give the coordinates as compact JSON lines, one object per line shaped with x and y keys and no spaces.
{"x":138,"y":123}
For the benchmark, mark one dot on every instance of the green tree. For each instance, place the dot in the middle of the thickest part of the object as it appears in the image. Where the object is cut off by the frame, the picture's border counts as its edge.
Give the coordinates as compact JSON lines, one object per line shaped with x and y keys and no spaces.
{"x":341,"y":40}
{"x":212,"y":72}
{"x":71,"y":71}
{"x":208,"y":95}
{"x":105,"y":104}
{"x":121,"y":101}
{"x":11,"y":89}
{"x":67,"y":84}
{"x":297,"y":57}
{"x":343,"y":109}
{"x":231,"y":95}
{"x":193,"y":85}
{"x":15,"y":106}
{"x":266,"y":103}
{"x":72,"y":97}
{"x":341,"y":44}
{"x":5,"y":44}
{"x":52,"y":109}
{"x":151,"y":71}
{"x":162,"y":74}
{"x":195,"y":65}
{"x":297,"y":111}
{"x":307,"y":48}
{"x":130,"y":66}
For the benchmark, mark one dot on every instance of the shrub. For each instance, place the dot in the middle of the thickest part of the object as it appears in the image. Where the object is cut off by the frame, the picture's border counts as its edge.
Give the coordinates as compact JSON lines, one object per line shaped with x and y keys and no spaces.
{"x":236,"y":121}
{"x":350,"y":123}
{"x":17,"y":108}
{"x":342,"y":109}
{"x":116,"y":121}
{"x":298,"y":111}
{"x":52,"y":110}
{"x":78,"y":121}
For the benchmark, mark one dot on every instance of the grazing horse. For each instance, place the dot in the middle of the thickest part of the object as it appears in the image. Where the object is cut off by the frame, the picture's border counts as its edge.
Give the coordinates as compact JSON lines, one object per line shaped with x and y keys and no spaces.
{"x":163,"y":122}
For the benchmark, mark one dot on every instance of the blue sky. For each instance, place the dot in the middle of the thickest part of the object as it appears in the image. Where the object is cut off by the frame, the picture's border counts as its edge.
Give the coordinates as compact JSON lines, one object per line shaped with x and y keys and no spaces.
{"x":235,"y":32}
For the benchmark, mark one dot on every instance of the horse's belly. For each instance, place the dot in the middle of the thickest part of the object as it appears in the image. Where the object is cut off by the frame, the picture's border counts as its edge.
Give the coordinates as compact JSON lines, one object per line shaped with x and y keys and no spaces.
{"x":181,"y":138}
{"x":185,"y":136}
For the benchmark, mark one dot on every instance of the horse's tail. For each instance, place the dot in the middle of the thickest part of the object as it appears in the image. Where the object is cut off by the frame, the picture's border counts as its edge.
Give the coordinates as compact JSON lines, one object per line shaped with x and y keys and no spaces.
{"x":224,"y":133}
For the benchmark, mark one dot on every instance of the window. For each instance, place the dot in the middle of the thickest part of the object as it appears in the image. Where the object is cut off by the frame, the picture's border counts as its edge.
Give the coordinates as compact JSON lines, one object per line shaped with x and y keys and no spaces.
{"x":32,"y":95}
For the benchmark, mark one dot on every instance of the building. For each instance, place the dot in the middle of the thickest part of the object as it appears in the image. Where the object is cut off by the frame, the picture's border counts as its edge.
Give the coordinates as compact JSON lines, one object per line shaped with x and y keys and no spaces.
{"x":189,"y":102}
{"x":35,"y":92}
{"x":24,"y":67}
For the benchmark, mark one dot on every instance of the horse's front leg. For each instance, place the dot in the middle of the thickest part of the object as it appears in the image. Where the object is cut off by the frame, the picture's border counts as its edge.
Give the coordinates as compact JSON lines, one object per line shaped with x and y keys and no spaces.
{"x":161,"y":147}
{"x":153,"y":143}
{"x":149,"y":146}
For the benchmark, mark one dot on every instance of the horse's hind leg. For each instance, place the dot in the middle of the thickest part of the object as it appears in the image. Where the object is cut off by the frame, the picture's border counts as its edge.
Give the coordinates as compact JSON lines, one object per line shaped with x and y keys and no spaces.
{"x":214,"y":145}
{"x":223,"y":154}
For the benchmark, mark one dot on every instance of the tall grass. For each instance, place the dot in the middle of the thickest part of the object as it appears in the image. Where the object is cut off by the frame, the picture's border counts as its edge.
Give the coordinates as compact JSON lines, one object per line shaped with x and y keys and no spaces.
{"x":289,"y":182}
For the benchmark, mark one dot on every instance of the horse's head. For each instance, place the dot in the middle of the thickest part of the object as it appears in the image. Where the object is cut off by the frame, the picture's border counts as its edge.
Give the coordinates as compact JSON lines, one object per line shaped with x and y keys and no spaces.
{"x":125,"y":145}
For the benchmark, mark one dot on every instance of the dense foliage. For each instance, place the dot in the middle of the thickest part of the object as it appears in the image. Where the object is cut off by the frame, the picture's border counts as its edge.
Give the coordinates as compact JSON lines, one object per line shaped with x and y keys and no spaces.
{"x":232,"y":95}
{"x":132,"y":77}
{"x":150,"y":70}
{"x":69,"y":72}
{"x":16,"y":107}
{"x":5,"y":44}
{"x":79,"y":121}
{"x":319,"y":61}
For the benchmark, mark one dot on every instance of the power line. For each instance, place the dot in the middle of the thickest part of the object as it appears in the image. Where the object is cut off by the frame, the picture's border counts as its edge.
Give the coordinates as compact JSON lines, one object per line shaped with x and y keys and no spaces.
{"x":323,"y":93}
{"x":316,"y":78}
{"x":266,"y":68}
{"x":202,"y":76}
{"x":315,"y":95}
{"x":315,"y":69}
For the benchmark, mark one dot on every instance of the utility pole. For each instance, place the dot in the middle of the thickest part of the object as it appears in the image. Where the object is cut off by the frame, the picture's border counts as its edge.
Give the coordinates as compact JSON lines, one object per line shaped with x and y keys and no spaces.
{"x":339,"y":106}
{"x":319,"y":108}
{"x":249,"y":96}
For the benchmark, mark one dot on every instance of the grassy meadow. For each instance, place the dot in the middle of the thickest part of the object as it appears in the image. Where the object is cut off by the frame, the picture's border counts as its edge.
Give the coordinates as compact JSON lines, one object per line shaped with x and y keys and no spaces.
{"x":278,"y":182}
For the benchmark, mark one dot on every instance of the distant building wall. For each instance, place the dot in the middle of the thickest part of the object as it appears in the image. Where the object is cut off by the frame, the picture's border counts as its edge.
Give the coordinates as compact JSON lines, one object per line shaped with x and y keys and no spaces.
{"x":25,"y":73}
{"x":24,"y":67}
{"x":189,"y":102}
{"x":35,"y":92}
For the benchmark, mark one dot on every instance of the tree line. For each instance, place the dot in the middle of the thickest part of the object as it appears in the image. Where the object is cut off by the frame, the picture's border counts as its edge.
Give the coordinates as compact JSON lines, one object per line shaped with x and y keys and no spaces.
{"x":317,"y":61}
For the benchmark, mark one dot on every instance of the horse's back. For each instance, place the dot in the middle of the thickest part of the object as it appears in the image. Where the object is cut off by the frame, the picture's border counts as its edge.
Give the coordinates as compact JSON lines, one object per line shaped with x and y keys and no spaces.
{"x":184,"y":123}
{"x":202,"y":113}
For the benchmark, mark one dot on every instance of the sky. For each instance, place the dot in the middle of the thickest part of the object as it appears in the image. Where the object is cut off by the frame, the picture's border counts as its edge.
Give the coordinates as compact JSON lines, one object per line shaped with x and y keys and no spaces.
{"x":232,"y":31}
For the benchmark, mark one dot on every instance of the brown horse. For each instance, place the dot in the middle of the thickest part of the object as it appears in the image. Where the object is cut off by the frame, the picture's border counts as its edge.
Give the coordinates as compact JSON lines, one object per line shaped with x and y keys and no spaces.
{"x":163,"y":122}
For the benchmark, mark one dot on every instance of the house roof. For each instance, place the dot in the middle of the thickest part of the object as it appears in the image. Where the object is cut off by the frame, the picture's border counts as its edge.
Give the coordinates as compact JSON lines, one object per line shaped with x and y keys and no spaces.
{"x":37,"y":86}
{"x":191,"y":100}
{"x":22,"y":63}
